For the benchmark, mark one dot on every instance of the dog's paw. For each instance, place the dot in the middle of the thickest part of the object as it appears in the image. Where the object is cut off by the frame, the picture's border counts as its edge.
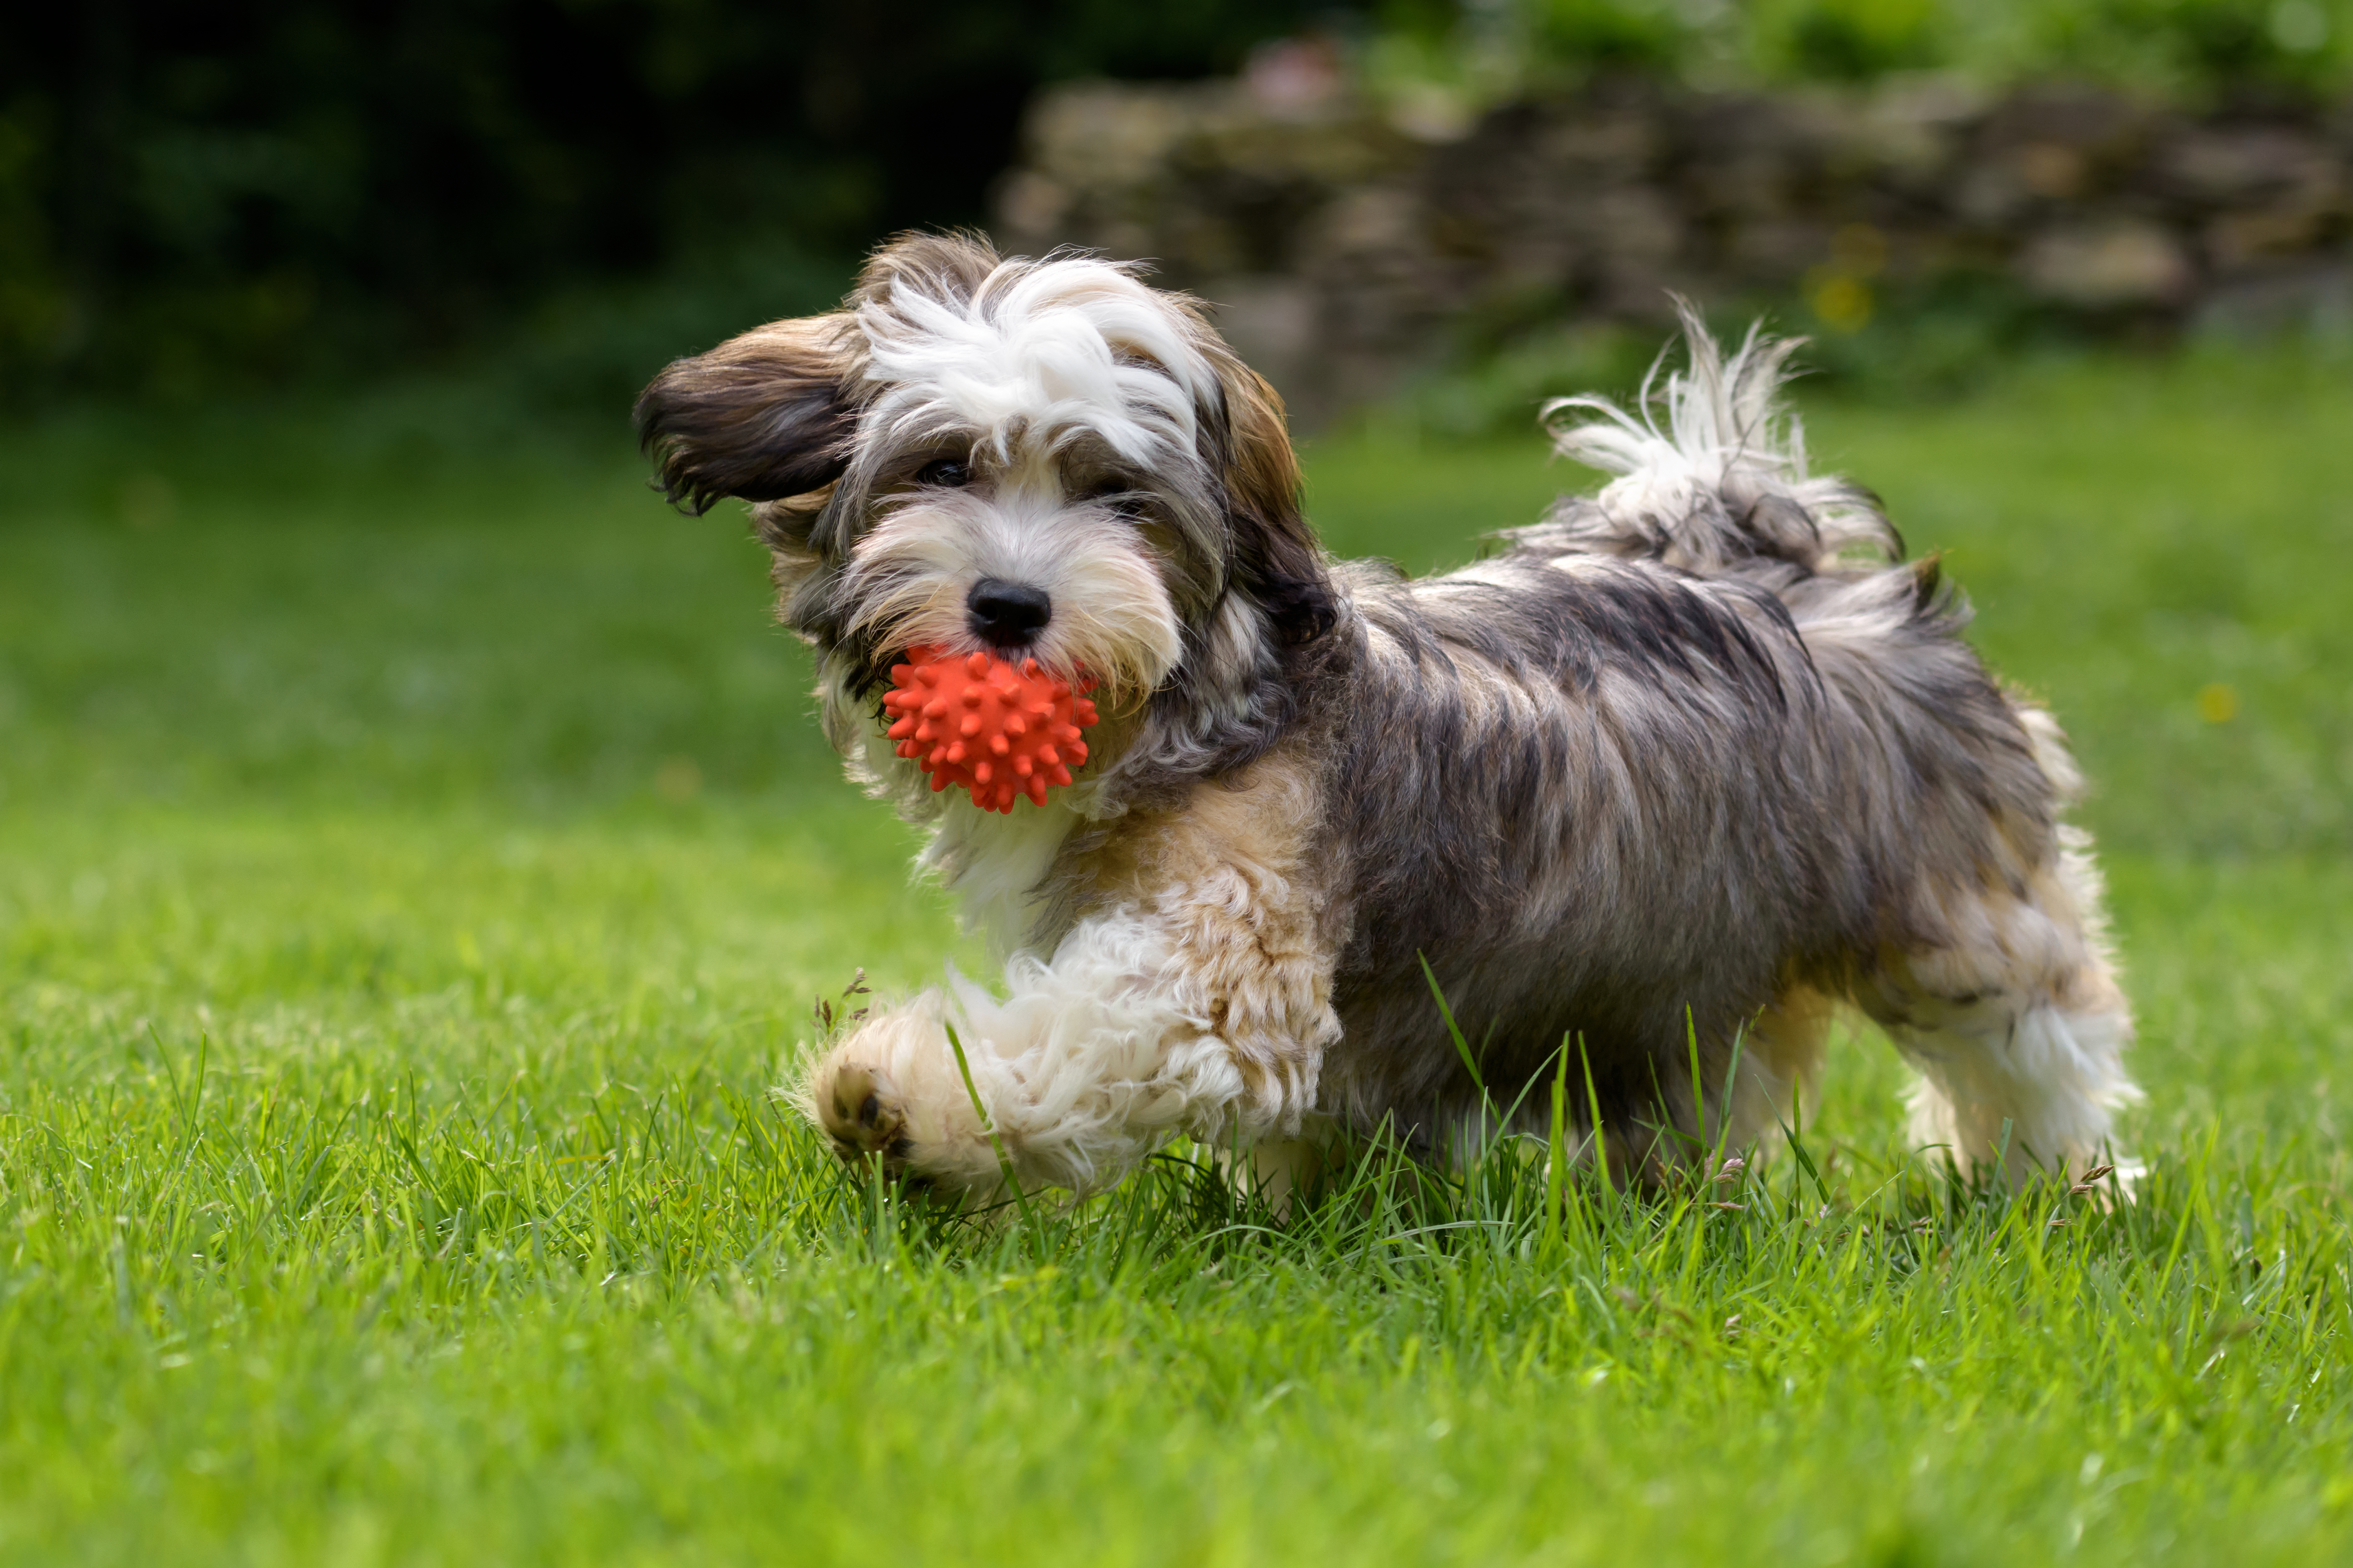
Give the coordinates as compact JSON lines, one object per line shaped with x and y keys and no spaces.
{"x":861,"y":1112}
{"x":892,"y":1092}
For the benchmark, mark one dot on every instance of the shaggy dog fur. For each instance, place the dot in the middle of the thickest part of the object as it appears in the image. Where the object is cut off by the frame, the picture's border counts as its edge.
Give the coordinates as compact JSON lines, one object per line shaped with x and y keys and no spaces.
{"x":1694,"y":760}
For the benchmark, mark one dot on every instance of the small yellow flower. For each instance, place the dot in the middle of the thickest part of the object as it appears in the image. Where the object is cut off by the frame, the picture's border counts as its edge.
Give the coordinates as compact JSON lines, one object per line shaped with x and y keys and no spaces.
{"x":2217,"y":703}
{"x":1841,"y":301}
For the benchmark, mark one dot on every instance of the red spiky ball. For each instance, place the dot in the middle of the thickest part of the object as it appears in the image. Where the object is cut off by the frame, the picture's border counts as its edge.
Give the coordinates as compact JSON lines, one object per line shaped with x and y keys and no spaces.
{"x":978,"y":722}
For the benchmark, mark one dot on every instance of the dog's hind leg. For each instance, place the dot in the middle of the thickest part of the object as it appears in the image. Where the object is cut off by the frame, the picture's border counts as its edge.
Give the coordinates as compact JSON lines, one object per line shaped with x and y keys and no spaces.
{"x":1780,"y":1066}
{"x":2017,"y":1025}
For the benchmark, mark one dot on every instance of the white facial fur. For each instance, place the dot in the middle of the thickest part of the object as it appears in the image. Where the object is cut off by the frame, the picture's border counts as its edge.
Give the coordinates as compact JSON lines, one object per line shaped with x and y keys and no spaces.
{"x":1078,"y":398}
{"x":910,"y":575}
{"x":1054,"y":382}
{"x":1040,"y":354}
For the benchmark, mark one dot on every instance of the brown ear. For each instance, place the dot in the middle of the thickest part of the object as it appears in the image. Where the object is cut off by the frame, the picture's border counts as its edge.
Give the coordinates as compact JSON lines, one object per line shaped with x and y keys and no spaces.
{"x":951,"y":265}
{"x":1276,"y":556}
{"x":761,"y":418}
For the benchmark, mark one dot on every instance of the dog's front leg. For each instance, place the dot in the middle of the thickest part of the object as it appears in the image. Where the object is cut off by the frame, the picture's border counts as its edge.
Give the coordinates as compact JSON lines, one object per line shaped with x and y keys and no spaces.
{"x":1201,"y":1007}
{"x":892,"y":1090}
{"x":1131,"y":1034}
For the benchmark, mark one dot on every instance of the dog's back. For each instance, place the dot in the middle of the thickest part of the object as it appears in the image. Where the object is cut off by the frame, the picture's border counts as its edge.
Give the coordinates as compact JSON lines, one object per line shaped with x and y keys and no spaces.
{"x":1686,"y":761}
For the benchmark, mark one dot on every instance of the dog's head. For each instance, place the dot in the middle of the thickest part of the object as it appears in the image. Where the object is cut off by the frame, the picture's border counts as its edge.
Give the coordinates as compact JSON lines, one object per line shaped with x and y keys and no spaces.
{"x":1043,"y":459}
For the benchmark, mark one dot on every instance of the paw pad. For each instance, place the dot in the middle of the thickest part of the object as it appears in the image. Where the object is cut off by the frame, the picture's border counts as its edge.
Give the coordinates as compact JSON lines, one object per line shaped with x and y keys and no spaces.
{"x":861,"y":1115}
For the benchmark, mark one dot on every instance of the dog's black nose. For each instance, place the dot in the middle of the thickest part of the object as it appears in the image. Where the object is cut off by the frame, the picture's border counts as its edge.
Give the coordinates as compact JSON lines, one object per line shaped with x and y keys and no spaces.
{"x":1009,"y":615}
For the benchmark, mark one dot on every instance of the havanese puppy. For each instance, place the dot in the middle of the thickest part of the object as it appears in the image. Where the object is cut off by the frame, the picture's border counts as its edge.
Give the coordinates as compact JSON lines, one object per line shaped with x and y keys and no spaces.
{"x":1664,"y":781}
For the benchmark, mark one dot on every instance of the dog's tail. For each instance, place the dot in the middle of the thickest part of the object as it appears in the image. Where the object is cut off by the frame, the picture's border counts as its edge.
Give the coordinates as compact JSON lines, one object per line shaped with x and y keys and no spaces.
{"x":1722,"y":483}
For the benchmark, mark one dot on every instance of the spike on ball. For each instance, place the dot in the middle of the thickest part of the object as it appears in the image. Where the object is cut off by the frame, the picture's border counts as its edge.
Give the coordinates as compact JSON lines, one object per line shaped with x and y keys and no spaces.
{"x":1024,"y":717}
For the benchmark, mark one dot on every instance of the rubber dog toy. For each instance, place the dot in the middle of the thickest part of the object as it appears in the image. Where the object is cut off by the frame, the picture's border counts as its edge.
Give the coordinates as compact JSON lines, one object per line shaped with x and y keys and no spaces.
{"x":979,"y":723}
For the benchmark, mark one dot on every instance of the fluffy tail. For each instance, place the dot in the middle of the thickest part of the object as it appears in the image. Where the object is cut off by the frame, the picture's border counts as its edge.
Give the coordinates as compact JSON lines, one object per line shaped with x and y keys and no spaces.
{"x":1722,"y":483}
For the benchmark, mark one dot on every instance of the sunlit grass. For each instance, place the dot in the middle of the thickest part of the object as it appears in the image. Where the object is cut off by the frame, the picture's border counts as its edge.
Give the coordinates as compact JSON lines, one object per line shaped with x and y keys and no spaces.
{"x":416,"y":869}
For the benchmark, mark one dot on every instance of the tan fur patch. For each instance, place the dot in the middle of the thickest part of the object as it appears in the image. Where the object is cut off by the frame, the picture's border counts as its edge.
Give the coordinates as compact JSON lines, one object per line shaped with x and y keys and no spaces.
{"x":1229,"y":876}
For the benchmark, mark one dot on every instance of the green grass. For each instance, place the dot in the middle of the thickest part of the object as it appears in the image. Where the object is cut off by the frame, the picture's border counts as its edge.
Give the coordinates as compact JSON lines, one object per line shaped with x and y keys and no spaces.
{"x":416,"y":866}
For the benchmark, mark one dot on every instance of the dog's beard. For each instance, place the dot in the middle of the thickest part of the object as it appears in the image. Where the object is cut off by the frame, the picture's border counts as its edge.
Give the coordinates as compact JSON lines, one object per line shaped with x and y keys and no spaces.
{"x":1114,"y":621}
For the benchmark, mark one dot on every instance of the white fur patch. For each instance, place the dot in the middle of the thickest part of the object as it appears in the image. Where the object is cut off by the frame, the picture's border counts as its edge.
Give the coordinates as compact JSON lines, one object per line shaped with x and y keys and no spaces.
{"x":2019,"y":1023}
{"x":1085,"y":1065}
{"x":1039,"y":351}
{"x":993,"y":863}
{"x":1726,"y":443}
{"x":911,"y":572}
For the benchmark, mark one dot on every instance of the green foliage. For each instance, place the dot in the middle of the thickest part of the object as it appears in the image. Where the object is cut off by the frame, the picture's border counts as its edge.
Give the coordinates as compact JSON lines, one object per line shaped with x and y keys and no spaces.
{"x":300,"y":190}
{"x":2198,"y":49}
{"x":418,"y":862}
{"x":1610,"y":35}
{"x":1846,"y":40}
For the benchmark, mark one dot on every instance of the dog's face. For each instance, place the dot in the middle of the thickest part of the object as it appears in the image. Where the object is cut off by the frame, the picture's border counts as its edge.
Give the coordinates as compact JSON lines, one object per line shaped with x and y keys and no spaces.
{"x":1041,"y":458}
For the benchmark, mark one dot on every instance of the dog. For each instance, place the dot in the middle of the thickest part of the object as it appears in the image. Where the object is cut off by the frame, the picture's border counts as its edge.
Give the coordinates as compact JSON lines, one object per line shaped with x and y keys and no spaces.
{"x":1664,"y":780}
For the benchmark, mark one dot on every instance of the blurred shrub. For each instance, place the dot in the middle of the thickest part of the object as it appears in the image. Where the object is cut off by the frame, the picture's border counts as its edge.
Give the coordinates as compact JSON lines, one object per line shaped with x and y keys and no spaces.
{"x":1647,"y":35}
{"x":198,"y":198}
{"x":1847,"y":41}
{"x":2195,"y":49}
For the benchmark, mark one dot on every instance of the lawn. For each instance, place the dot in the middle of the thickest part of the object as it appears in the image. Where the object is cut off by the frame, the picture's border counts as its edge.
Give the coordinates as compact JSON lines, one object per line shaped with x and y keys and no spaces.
{"x":418,"y":866}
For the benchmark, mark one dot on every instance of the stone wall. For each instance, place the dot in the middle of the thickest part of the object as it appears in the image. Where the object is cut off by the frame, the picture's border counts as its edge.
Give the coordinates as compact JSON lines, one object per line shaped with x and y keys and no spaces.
{"x":1345,"y":246}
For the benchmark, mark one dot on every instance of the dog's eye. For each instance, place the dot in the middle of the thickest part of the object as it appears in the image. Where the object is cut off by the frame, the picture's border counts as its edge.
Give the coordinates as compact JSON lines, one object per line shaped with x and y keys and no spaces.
{"x":947,"y":472}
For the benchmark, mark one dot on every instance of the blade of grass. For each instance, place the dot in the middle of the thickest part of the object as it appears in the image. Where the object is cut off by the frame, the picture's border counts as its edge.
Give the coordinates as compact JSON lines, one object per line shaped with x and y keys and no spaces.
{"x":1004,"y":1159}
{"x":1600,"y":1143}
{"x":1557,"y":1170}
{"x":1453,"y":1031}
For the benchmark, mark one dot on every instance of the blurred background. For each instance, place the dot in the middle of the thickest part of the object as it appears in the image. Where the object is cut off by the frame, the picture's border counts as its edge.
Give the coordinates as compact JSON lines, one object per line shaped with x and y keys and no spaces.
{"x":319,"y":325}
{"x":1455,"y":198}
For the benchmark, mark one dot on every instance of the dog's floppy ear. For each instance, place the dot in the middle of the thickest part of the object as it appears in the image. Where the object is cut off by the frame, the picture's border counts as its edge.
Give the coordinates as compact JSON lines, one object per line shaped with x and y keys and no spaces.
{"x":1276,"y":556}
{"x":761,"y":418}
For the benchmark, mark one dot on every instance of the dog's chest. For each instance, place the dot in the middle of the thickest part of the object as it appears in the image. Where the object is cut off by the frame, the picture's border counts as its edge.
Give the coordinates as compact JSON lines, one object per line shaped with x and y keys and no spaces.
{"x":995,"y":863}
